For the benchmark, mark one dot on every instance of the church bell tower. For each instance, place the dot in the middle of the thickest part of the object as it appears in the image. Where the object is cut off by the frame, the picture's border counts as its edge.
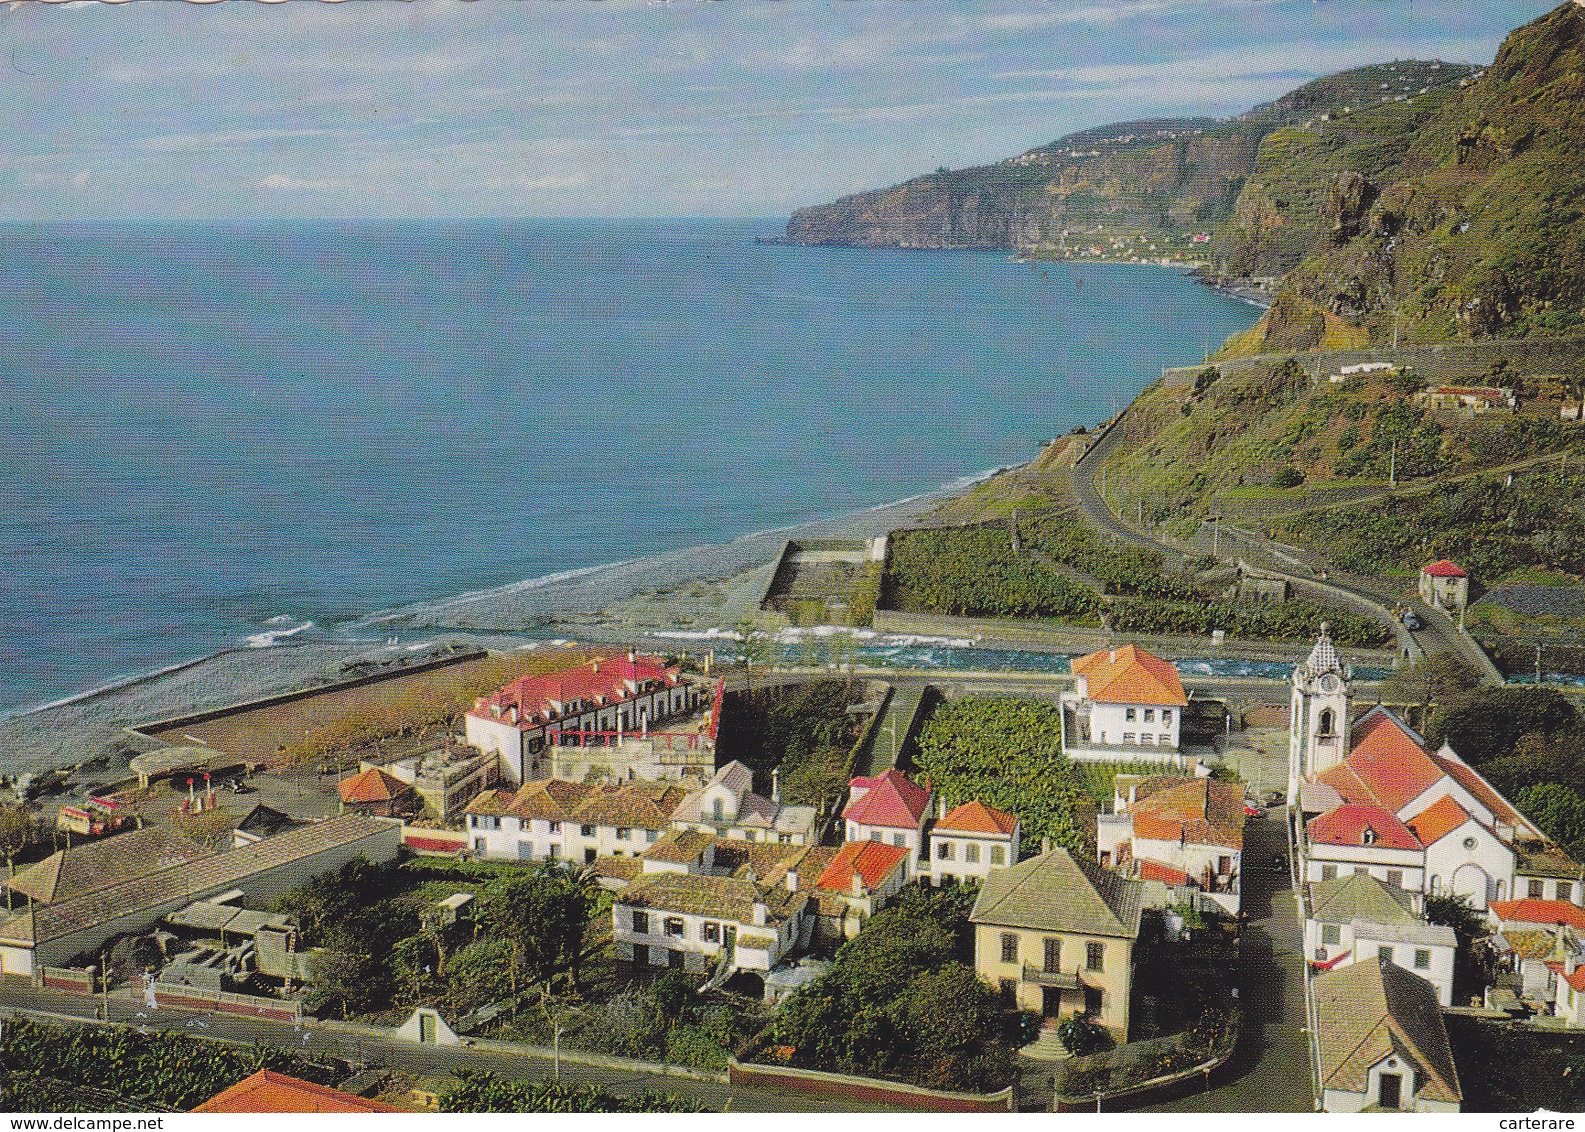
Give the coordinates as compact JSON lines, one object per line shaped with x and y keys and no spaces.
{"x":1318,"y":722}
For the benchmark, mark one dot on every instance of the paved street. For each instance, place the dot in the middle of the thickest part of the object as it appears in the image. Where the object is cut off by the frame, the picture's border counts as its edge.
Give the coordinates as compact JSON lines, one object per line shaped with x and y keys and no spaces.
{"x":1271,"y":1067}
{"x":387,"y":1053}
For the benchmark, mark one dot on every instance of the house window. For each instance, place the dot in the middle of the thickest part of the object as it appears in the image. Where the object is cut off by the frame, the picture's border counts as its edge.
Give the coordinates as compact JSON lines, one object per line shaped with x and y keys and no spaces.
{"x":586,"y":830}
{"x":717,"y":810}
{"x":1368,"y":837}
{"x":784,"y":838}
{"x":641,"y":923}
{"x":624,"y":835}
{"x":943,"y":850}
{"x":1150,"y":715}
{"x":1395,"y":878}
{"x":1469,"y":843}
{"x":1094,"y":956}
{"x":1009,"y":947}
{"x":1166,"y":716}
{"x":710,"y":932}
{"x":651,"y":836}
{"x":876,"y":835}
{"x":478,"y":844}
{"x":1053,"y":954}
{"x":1422,"y":959}
{"x":1384,"y":952}
{"x":971,"y":853}
{"x":555,"y":852}
{"x":1147,"y":738}
{"x":1130,"y":715}
{"x":1128,"y":737}
{"x":1331,"y":934}
{"x":1535,"y":890}
{"x":1328,"y":872}
{"x":525,"y":850}
{"x":1224,"y":866}
{"x":998,"y":855}
{"x":898,"y":840}
{"x":555,"y":827}
{"x":674,"y":926}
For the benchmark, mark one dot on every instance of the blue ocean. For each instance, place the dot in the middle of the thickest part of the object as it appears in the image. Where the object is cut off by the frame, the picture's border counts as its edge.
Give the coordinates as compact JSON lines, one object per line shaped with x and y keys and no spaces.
{"x":217,"y":434}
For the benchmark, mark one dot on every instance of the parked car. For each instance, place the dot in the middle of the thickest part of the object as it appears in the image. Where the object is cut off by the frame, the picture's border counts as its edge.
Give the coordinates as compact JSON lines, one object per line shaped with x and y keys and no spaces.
{"x":1253,"y":811}
{"x":1410,"y":621}
{"x":1272,"y":798}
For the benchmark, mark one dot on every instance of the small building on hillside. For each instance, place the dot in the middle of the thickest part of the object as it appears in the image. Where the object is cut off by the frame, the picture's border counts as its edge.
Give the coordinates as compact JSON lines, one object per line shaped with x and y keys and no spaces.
{"x":1445,"y":585}
{"x":445,"y":779}
{"x":1469,"y":398}
{"x":1056,"y":934}
{"x":376,"y":792}
{"x":1126,"y":704}
{"x":968,"y":841}
{"x":890,"y":808}
{"x":1357,"y":918}
{"x":1381,"y":1042}
{"x":727,"y":806}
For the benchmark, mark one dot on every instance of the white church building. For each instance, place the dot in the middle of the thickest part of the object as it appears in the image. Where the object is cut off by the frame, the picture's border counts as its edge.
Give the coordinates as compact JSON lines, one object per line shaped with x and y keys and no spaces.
{"x":1373,"y":797}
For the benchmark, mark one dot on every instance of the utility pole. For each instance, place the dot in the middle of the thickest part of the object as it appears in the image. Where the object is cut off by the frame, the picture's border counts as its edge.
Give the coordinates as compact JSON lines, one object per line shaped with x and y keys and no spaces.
{"x":1538,"y":666}
{"x":1392,"y":472}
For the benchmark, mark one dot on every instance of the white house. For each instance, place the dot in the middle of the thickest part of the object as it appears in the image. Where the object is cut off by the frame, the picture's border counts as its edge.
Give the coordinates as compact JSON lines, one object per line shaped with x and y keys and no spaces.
{"x":691,"y":922}
{"x":593,"y":704}
{"x":1126,"y":703}
{"x":1381,"y":1043}
{"x":1358,"y":918}
{"x":728,"y":807}
{"x":1357,"y":837}
{"x":968,"y":841}
{"x":889,"y":808}
{"x":861,"y":880}
{"x":1445,"y":585}
{"x":571,"y":821}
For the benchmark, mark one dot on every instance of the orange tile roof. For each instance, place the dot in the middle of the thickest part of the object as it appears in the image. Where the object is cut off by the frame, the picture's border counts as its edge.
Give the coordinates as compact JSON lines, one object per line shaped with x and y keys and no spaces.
{"x":1549,"y":912}
{"x":1389,"y":761}
{"x":1197,"y":811}
{"x":602,"y":681}
{"x":1444,"y":569}
{"x":1347,"y":824}
{"x":1438,"y":820}
{"x":373,"y":785}
{"x":1167,"y":874}
{"x":1130,"y":675}
{"x":1576,"y":980}
{"x":268,"y":1091}
{"x":1466,"y":776}
{"x":873,"y":861}
{"x":977,"y":817}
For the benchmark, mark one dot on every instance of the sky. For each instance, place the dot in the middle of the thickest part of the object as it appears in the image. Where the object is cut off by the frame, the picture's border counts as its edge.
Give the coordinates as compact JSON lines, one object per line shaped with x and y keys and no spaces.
{"x":160,"y":109}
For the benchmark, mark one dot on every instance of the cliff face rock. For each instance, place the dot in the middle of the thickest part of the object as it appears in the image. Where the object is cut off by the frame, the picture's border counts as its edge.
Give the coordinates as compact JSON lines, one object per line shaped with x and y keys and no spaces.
{"x":1156,"y":180}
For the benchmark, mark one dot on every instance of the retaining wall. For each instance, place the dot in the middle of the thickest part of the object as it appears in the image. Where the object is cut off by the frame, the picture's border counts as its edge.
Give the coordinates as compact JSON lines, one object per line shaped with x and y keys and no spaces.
{"x":1447,"y":361}
{"x":1200,"y":1078}
{"x":68,"y":979}
{"x":868,"y":1089}
{"x":224,"y":1002}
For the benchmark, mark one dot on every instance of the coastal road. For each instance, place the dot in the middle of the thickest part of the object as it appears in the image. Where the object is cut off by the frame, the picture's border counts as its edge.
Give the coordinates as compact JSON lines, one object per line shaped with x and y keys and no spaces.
{"x":363,"y":1045}
{"x":1271,"y":1069}
{"x":1437,"y":635}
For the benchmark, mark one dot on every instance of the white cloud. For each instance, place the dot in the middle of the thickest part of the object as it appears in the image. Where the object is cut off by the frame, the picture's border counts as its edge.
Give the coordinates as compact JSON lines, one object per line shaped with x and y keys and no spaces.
{"x":280,"y":182}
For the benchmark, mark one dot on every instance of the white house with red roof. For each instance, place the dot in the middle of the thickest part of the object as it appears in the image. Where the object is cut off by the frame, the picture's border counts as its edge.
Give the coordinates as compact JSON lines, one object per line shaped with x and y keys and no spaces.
{"x":891,"y":808}
{"x":1445,"y":585}
{"x":597,"y":703}
{"x":861,"y":880}
{"x":968,"y":841}
{"x":1377,"y":799}
{"x":1125,"y":703}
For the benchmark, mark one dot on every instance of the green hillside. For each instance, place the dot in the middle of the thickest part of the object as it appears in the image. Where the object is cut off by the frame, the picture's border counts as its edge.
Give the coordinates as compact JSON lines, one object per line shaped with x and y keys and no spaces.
{"x":1462,"y":218}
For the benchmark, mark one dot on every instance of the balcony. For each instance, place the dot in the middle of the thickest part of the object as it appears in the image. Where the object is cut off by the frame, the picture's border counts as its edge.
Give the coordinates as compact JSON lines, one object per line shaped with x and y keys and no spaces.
{"x":1064,"y":980}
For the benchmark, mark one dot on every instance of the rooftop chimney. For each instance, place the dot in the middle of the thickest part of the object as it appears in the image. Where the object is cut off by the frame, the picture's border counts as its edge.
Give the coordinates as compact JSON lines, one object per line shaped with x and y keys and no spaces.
{"x":792,"y":880}
{"x":941,"y":806}
{"x":775,"y":784}
{"x":1113,"y":658}
{"x":761,"y":912}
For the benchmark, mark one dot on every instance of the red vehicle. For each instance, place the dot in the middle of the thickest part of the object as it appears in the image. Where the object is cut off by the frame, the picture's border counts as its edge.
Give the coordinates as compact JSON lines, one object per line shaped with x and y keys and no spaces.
{"x":1252,"y":811}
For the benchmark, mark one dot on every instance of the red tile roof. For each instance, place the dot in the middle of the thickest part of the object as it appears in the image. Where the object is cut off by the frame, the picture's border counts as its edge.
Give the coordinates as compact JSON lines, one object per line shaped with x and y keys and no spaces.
{"x":1389,"y":762}
{"x":268,"y":1091}
{"x":1155,"y":870}
{"x":434,"y":844}
{"x":373,"y":785}
{"x":1438,"y":820}
{"x":1347,"y":824}
{"x":872,"y":861}
{"x":600,"y":682}
{"x":1576,"y":980}
{"x":1548,"y":912}
{"x":1130,"y":675}
{"x":1465,"y":776}
{"x":1444,"y":569}
{"x":977,"y":817}
{"x":891,"y":801}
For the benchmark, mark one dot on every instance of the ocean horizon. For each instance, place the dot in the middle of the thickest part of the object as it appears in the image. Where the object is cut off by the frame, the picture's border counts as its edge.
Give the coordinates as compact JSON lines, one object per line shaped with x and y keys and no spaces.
{"x":222,"y":434}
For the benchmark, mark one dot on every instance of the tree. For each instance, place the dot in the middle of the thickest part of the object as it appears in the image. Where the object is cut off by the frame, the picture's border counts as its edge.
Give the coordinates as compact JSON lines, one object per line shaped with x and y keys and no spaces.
{"x":346,"y":979}
{"x":1559,"y":810}
{"x":1433,"y":679}
{"x":18,"y":830}
{"x":1079,"y":1036}
{"x":541,"y":913}
{"x":1484,"y":723}
{"x":757,"y":648}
